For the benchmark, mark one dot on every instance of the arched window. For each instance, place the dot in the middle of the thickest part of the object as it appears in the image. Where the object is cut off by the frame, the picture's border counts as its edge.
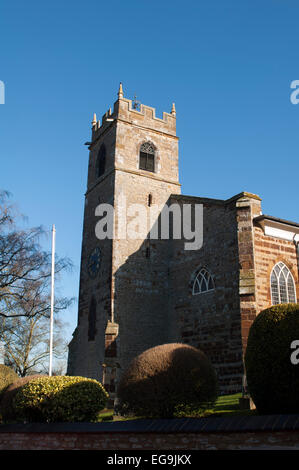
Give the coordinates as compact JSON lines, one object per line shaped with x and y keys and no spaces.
{"x":101,"y":161}
{"x":282,"y":285}
{"x":203,"y":282}
{"x":92,"y":318}
{"x":147,"y":157}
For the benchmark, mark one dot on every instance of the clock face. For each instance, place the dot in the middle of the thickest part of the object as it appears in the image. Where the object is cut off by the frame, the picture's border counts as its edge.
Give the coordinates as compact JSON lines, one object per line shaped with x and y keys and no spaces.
{"x":94,"y":262}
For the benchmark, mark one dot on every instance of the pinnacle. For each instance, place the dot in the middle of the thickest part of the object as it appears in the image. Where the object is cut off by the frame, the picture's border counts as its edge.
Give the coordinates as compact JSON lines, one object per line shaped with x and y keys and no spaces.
{"x":120,"y":91}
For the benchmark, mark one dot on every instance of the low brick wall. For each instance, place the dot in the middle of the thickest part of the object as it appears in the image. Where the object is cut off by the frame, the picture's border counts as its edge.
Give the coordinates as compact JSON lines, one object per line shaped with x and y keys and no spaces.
{"x":235,"y":433}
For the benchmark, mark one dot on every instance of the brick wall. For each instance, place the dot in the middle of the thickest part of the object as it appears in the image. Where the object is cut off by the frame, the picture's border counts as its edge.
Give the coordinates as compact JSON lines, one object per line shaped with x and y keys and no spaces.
{"x":268,"y":252}
{"x":247,"y":433}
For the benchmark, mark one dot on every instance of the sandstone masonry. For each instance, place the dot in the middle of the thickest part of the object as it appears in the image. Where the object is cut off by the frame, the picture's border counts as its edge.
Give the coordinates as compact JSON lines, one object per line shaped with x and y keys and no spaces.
{"x":138,"y":293}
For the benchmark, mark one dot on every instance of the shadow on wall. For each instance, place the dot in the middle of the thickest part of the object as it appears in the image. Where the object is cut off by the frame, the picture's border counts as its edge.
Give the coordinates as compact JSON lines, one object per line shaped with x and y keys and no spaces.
{"x":154,"y":304}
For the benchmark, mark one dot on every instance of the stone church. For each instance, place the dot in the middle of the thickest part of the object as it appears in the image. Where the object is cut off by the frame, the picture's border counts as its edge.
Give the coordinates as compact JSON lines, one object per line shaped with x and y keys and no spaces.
{"x":138,"y":293}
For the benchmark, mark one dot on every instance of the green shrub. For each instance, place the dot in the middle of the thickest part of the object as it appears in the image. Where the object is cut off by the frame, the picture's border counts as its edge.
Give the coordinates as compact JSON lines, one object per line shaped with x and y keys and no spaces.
{"x":7,"y":376}
{"x":165,"y":379}
{"x":60,"y":398}
{"x":273,"y":381}
{"x":6,"y":404}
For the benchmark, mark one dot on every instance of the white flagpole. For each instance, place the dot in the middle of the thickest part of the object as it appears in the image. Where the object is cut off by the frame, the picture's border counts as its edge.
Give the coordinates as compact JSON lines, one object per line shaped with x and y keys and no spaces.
{"x":52,"y":299}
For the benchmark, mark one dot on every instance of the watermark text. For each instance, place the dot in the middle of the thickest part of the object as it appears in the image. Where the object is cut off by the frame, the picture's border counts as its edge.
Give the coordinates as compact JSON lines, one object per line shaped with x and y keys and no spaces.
{"x":157,"y":222}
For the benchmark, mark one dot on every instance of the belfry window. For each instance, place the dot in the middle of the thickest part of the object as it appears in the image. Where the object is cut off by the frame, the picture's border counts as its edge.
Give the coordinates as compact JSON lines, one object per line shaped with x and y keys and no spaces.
{"x":203,"y":282}
{"x":101,"y":161}
{"x":282,"y":285}
{"x":147,"y":157}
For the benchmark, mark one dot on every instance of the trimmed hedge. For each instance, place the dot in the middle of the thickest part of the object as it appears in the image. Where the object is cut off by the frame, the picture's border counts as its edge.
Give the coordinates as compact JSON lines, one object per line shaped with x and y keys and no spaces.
{"x":167,"y":379}
{"x":273,"y":381}
{"x":6,"y":404}
{"x":7,"y":376}
{"x":60,"y":399}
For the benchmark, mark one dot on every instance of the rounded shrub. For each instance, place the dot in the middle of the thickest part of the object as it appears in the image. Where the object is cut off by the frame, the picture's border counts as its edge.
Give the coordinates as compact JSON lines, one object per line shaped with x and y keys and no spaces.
{"x":273,"y":381}
{"x":7,"y":377}
{"x":60,"y":399}
{"x":7,"y":410}
{"x":165,"y":379}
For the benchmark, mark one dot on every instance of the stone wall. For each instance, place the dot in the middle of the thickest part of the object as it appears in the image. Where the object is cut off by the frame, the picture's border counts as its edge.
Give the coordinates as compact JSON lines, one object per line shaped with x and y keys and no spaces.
{"x":140,"y":265}
{"x":210,"y":321}
{"x":131,"y":290}
{"x":86,"y":355}
{"x":248,"y":207}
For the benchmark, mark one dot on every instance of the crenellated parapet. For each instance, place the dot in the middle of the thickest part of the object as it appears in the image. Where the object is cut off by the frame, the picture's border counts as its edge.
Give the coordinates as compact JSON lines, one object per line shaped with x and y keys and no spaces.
{"x":145,"y":117}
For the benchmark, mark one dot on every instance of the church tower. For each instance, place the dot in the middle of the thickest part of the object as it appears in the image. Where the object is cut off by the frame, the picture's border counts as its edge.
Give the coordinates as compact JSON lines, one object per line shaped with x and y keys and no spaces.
{"x":123,"y":298}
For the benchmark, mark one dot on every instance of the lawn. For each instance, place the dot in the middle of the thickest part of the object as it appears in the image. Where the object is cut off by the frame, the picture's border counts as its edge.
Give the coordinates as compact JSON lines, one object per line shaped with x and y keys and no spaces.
{"x":226,"y":405}
{"x":229,"y":405}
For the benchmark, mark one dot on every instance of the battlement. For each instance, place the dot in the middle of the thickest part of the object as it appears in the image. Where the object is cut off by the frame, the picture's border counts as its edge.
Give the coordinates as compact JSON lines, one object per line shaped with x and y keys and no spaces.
{"x":125,"y":110}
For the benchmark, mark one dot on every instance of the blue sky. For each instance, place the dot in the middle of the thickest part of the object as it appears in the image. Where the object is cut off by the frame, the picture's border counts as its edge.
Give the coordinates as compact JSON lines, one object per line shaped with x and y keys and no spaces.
{"x":227,"y":65}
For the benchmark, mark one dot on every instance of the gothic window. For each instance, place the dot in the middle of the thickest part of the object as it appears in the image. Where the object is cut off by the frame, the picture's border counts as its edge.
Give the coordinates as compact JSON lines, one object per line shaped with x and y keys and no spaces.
{"x":147,"y":157}
{"x":101,"y":161}
{"x":203,"y":282}
{"x":92,"y":316}
{"x":282,"y":285}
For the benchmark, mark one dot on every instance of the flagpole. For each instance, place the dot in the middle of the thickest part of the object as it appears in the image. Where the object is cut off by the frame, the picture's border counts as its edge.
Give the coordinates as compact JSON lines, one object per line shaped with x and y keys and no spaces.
{"x":52,"y":299}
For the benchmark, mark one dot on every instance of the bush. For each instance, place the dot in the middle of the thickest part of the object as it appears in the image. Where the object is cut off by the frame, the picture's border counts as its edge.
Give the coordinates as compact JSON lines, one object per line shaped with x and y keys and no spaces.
{"x":60,"y":398}
{"x":7,"y":376}
{"x":165,"y":379}
{"x":273,"y":381}
{"x":6,"y":404}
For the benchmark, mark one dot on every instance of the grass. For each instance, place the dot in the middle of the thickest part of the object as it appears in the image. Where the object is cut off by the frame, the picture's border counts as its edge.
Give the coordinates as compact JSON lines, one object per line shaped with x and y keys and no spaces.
{"x":229,"y":405}
{"x":226,"y":405}
{"x":106,"y":415}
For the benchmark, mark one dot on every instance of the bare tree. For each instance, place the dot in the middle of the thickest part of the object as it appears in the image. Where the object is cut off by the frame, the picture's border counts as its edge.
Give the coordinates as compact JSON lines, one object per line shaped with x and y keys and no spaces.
{"x":26,"y":343}
{"x":25,"y":278}
{"x":25,"y":269}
